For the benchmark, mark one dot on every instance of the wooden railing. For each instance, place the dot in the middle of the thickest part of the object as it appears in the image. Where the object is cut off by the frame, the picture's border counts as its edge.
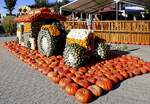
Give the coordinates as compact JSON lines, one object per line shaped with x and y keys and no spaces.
{"x":113,"y":26}
{"x":117,"y":31}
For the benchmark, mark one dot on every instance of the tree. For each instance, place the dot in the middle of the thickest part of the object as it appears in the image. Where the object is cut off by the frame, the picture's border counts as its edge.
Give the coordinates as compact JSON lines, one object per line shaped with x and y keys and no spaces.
{"x":65,"y":1}
{"x":60,"y":3}
{"x":147,"y":13}
{"x":10,"y":4}
{"x":41,"y":3}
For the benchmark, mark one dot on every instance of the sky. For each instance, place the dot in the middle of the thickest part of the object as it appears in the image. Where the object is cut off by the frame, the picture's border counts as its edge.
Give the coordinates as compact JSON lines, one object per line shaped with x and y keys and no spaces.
{"x":18,"y":4}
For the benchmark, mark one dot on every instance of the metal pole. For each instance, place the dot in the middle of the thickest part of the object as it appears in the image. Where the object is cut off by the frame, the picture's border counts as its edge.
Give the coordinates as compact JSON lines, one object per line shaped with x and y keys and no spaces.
{"x":60,"y":10}
{"x":116,"y":10}
{"x":81,"y":16}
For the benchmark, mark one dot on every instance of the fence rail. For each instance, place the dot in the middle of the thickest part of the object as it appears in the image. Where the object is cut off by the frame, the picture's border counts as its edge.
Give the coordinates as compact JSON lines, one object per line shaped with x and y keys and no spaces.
{"x":117,"y":31}
{"x":141,"y":26}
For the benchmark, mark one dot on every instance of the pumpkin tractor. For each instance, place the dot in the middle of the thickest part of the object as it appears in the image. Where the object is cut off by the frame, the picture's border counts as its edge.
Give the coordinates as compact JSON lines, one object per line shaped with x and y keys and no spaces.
{"x":41,"y":29}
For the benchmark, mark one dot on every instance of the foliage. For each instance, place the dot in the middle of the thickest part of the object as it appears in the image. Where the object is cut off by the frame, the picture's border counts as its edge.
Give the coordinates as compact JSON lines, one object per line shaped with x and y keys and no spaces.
{"x":59,"y":4}
{"x":9,"y":25}
{"x":41,"y":3}
{"x":147,"y":13}
{"x":10,"y":4}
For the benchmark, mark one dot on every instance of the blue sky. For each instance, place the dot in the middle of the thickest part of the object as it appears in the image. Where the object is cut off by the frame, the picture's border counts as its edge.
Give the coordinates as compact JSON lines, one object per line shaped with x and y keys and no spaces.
{"x":19,"y":3}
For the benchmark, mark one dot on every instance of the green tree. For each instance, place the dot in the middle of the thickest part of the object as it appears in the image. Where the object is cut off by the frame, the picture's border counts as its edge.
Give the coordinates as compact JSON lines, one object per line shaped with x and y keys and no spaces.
{"x":147,"y":13}
{"x":41,"y":3}
{"x":65,"y":1}
{"x":58,"y":4}
{"x":10,"y":4}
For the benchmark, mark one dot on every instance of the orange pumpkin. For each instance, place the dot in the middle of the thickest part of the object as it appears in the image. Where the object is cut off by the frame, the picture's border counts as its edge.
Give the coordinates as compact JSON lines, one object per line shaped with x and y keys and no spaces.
{"x":64,"y":81}
{"x":136,"y":72}
{"x":83,"y":95}
{"x":84,"y":83}
{"x":119,"y":76}
{"x":91,"y":80}
{"x":97,"y":91}
{"x":105,"y":83}
{"x":52,"y":74}
{"x":143,"y":70}
{"x":124,"y":74}
{"x":56,"y":79}
{"x":113,"y":78}
{"x":71,"y":88}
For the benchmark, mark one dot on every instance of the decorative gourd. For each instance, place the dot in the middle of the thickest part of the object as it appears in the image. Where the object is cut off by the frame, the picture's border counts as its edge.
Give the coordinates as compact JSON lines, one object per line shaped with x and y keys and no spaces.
{"x":52,"y":29}
{"x":102,"y":51}
{"x":51,"y":42}
{"x":82,"y":37}
{"x":75,"y":55}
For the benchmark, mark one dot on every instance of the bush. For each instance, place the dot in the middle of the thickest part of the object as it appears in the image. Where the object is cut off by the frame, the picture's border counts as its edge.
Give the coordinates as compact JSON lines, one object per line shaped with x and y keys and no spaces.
{"x":9,"y":25}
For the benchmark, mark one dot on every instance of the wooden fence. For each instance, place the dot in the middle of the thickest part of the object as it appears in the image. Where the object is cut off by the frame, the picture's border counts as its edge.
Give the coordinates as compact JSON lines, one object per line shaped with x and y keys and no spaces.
{"x":117,"y":31}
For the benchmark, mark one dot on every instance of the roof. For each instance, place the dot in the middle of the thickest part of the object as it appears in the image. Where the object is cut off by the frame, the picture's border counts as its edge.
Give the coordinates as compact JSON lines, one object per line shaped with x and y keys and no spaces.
{"x":93,"y":5}
{"x":42,"y":13}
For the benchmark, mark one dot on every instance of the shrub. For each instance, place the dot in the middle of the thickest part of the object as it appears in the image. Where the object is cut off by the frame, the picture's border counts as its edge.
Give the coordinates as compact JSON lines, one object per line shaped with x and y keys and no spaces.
{"x":9,"y":25}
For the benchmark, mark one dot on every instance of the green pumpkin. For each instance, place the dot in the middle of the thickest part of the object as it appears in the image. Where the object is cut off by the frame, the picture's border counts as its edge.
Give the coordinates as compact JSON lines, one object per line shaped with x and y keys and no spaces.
{"x":102,"y":51}
{"x":75,"y":55}
{"x":51,"y":45}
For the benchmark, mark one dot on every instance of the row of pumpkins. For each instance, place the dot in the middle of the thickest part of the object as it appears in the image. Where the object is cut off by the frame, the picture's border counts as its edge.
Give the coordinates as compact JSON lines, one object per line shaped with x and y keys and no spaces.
{"x":87,"y":82}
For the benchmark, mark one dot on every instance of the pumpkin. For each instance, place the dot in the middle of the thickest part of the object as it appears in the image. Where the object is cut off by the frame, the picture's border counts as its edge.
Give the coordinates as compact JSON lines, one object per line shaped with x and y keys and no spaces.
{"x":83,"y":95}
{"x":64,"y":81}
{"x":97,"y":91}
{"x":91,"y":80}
{"x":143,"y":70}
{"x":52,"y":74}
{"x":119,"y":76}
{"x":82,"y":69}
{"x":105,"y":83}
{"x":136,"y":72}
{"x":84,"y":83}
{"x":113,"y":78}
{"x":72,"y":70}
{"x":69,"y":75}
{"x":40,"y":69}
{"x":75,"y":79}
{"x":59,"y":57}
{"x":71,"y":88}
{"x":124,"y":74}
{"x":56,"y":79}
{"x":46,"y":70}
{"x":130,"y":73}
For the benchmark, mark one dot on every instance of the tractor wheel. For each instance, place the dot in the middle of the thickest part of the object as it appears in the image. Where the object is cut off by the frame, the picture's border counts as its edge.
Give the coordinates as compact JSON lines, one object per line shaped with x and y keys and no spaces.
{"x":44,"y":42}
{"x":50,"y":45}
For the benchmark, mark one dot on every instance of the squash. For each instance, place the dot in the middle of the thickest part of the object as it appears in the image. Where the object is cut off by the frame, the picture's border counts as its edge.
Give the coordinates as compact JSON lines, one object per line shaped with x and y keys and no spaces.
{"x":105,"y":83}
{"x":71,"y":88}
{"x":64,"y":81}
{"x":97,"y":91}
{"x":83,"y":95}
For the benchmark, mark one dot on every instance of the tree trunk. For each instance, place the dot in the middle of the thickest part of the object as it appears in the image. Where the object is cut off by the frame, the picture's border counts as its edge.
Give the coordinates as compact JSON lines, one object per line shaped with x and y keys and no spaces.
{"x":10,"y":12}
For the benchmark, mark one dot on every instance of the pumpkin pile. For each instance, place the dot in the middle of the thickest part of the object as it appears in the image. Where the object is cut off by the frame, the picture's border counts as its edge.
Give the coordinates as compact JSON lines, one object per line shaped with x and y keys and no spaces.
{"x":85,"y":82}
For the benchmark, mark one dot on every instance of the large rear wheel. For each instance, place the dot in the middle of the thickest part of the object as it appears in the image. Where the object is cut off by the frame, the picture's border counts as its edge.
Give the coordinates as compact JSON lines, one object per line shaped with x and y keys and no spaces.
{"x":50,"y":45}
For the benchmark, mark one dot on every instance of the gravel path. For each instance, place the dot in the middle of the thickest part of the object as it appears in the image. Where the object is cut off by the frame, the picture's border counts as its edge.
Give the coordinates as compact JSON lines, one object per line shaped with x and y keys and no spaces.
{"x":20,"y":84}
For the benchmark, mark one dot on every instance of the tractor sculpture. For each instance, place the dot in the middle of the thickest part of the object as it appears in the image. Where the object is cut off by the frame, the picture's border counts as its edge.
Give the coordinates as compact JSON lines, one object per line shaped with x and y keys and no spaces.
{"x":41,"y":29}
